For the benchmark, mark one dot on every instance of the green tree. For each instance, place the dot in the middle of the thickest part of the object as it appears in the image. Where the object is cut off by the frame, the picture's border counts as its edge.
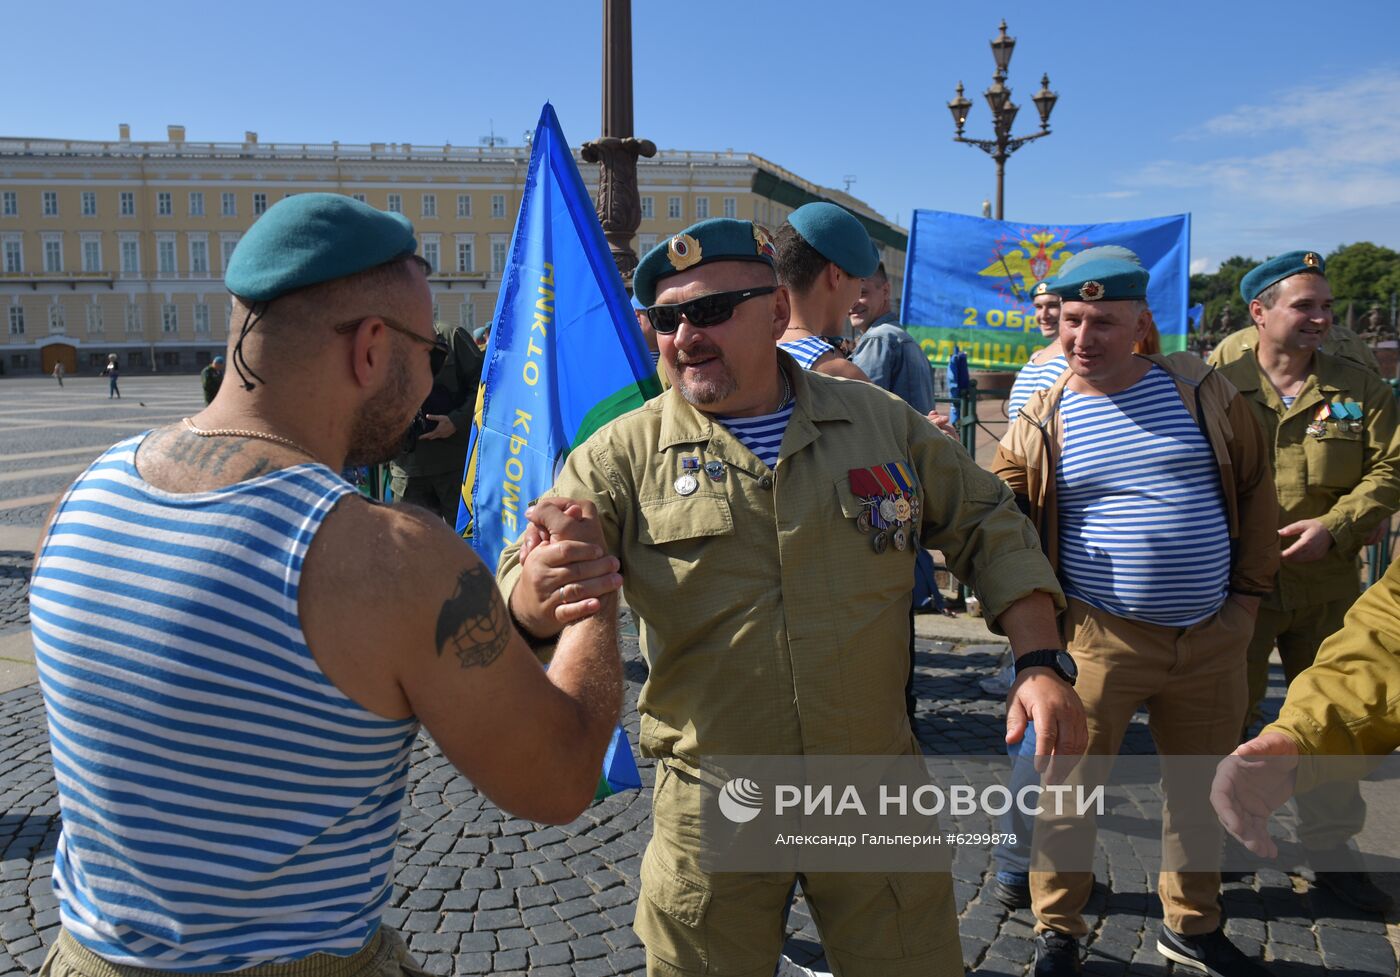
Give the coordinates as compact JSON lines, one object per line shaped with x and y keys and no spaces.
{"x":1365,"y":274}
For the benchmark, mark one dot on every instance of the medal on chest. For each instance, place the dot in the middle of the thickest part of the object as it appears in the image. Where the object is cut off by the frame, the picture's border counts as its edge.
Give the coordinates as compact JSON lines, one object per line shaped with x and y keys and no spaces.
{"x":889,"y":509}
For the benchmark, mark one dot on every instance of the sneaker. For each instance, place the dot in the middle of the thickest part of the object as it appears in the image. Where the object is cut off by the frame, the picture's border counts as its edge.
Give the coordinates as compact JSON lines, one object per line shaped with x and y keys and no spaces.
{"x":1356,"y":890}
{"x":1057,"y":955}
{"x":787,"y":968}
{"x":1210,"y":953}
{"x":1012,"y":895}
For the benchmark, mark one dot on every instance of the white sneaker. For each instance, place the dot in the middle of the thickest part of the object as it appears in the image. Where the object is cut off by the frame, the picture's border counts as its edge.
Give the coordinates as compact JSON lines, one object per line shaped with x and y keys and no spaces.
{"x":786,"y":968}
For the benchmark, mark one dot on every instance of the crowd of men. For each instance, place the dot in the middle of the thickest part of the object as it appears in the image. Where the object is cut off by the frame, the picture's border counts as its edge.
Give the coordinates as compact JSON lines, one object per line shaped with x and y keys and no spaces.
{"x":764,"y":518}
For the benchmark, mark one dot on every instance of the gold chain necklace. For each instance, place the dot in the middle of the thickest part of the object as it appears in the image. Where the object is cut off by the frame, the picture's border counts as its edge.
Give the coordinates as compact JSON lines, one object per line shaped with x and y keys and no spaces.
{"x":236,"y":433}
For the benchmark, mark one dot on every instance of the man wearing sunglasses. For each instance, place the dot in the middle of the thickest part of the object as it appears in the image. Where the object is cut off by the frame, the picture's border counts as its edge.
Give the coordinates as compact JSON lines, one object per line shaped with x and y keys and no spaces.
{"x":775,"y":614}
{"x":237,"y":648}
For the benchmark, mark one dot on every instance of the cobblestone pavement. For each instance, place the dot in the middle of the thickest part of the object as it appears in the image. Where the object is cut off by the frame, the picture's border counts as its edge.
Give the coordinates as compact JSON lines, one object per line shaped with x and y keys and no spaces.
{"x":480,"y":892}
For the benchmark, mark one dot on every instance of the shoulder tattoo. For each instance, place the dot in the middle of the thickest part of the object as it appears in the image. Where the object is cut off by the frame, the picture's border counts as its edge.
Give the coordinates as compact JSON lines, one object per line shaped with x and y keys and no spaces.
{"x":473,"y":623}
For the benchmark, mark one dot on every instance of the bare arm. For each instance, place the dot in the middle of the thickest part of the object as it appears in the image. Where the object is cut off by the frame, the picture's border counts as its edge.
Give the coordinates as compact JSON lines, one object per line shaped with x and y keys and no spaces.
{"x":835,"y":365}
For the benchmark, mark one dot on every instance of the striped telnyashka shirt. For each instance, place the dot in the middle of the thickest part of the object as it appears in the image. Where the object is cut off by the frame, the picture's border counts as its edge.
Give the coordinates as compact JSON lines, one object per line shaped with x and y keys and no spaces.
{"x":1143,"y":533}
{"x":1033,"y":377}
{"x":763,"y":435}
{"x":223,"y":803}
{"x":807,"y":351}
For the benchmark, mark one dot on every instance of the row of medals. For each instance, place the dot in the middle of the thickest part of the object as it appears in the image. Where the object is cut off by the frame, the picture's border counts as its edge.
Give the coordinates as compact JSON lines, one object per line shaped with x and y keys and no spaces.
{"x":687,"y":483}
{"x":1318,"y":427}
{"x":888,"y":520}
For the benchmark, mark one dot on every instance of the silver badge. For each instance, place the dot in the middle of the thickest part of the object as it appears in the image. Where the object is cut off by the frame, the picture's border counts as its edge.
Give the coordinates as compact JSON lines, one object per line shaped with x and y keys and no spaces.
{"x":715,"y":469}
{"x":686,"y":485}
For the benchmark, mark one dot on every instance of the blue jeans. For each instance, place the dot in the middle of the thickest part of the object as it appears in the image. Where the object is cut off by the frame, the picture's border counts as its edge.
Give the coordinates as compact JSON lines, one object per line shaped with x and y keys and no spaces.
{"x":1013,"y":861}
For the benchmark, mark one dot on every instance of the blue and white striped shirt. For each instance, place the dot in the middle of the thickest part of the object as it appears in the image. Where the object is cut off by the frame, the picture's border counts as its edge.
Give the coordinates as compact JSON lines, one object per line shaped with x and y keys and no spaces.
{"x":807,"y":351}
{"x":223,"y":804}
{"x":1033,"y":377}
{"x":763,"y":435}
{"x":1143,"y":533}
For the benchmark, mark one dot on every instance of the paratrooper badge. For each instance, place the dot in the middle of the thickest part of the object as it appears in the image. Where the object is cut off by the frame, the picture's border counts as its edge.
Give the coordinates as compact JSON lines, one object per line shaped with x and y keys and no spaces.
{"x":763,"y":242}
{"x":1042,"y":288}
{"x":1091,"y":291}
{"x":683,"y":251}
{"x":1311,"y":260}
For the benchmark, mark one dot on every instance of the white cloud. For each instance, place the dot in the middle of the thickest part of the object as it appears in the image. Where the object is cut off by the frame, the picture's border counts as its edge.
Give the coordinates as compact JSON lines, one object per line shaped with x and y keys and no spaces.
{"x":1199,"y":265}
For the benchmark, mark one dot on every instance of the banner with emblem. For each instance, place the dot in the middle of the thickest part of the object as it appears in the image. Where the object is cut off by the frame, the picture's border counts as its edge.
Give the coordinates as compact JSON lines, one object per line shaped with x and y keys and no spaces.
{"x":565,"y":357}
{"x":968,"y":281}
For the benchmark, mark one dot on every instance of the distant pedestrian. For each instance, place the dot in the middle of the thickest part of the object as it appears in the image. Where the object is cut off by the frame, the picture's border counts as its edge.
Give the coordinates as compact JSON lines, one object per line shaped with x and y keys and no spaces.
{"x":58,"y":373}
{"x":113,"y":372}
{"x":211,"y":377}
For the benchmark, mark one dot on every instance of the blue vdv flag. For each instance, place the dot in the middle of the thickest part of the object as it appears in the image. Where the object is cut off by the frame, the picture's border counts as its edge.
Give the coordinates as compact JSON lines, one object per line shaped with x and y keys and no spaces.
{"x":565,"y":357}
{"x":968,"y":281}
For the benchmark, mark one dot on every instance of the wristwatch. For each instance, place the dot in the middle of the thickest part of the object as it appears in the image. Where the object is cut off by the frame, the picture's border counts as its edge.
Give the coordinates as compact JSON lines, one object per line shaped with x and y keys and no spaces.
{"x":1053,"y":658}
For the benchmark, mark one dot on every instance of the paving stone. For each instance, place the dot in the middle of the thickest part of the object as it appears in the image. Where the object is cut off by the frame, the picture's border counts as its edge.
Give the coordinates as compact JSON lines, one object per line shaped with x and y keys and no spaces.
{"x":473,"y":963}
{"x":515,"y":939}
{"x":433,"y":943}
{"x":553,"y":954}
{"x":510,"y":960}
{"x":495,"y":899}
{"x":1369,"y":952}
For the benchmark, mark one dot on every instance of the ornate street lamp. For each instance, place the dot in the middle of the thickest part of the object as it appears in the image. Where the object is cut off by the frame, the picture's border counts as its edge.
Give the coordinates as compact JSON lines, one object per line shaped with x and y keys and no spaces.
{"x":1003,"y":113}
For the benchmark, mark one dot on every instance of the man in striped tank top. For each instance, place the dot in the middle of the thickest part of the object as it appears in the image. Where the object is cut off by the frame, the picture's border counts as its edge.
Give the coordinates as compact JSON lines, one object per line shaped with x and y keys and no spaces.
{"x":237,"y":650}
{"x":775,"y":615}
{"x":1148,"y":478}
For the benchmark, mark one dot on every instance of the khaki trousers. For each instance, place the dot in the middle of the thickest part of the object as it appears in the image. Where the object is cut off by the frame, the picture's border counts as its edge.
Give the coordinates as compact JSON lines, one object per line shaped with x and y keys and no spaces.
{"x":1193,"y":682}
{"x":1327,"y":817}
{"x":731,"y":924}
{"x":383,"y":956}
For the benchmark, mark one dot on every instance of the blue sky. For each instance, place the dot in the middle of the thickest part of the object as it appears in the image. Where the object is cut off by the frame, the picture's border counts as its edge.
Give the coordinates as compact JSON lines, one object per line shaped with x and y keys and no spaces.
{"x":1277,"y":125}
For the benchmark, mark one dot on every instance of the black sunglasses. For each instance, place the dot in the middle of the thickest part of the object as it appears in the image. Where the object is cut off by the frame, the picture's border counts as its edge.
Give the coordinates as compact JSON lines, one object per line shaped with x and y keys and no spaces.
{"x":707,"y":310}
{"x":440,"y":349}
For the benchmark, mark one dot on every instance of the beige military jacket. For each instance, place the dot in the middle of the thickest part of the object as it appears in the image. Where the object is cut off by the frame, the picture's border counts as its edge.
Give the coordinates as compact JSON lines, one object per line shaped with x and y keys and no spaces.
{"x":1347,"y":475}
{"x":770,"y":622}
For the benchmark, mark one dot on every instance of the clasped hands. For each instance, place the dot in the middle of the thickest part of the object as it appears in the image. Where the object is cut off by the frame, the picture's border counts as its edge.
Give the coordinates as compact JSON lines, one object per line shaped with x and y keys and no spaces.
{"x":566,"y":572}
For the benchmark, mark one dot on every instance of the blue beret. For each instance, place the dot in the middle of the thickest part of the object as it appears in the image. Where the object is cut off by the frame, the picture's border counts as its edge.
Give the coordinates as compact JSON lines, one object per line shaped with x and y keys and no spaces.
{"x":1105,"y":274}
{"x":480,"y":331}
{"x":717,"y":239}
{"x":310,"y":238}
{"x":836,"y":234}
{"x":637,"y":305}
{"x":1277,"y":269}
{"x":218,"y":359}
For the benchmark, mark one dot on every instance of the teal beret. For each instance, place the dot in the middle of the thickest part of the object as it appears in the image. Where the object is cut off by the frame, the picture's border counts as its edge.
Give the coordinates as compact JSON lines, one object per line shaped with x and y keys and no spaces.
{"x":480,"y":331}
{"x":717,"y":239}
{"x":1277,"y":269}
{"x":1105,"y":274}
{"x":309,"y":238}
{"x":836,"y":235}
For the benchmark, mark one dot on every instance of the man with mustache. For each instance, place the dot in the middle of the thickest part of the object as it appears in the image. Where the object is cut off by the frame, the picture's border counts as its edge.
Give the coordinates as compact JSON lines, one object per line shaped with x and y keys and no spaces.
{"x":765,"y":517}
{"x":1149,"y":481}
{"x":1331,"y":426}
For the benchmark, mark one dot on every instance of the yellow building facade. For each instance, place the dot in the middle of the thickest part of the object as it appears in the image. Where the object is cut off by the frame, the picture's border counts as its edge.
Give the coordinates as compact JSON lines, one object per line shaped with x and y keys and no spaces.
{"x":120,"y":247}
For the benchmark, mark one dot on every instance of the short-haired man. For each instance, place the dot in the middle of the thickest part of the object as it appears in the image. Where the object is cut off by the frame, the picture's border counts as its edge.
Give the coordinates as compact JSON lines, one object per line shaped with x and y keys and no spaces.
{"x":823,"y":252}
{"x":210,"y":379}
{"x":234,"y":683}
{"x":1148,"y":478}
{"x":1330,"y":425}
{"x":771,"y":574}
{"x":890,"y":357}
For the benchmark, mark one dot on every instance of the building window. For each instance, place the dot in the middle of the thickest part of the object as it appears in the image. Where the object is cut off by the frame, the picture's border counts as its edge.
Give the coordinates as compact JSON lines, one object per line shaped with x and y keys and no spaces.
{"x":131,"y":256}
{"x":165,"y":256}
{"x":396,"y":203}
{"x":731,"y":207}
{"x":228,"y":204}
{"x":358,"y":196}
{"x":645,"y":242}
{"x":702,"y":208}
{"x":94,"y":318}
{"x":429,"y":205}
{"x":468,"y":314}
{"x":16,"y":320}
{"x":648,"y":208}
{"x":498,"y":205}
{"x":498,"y":253}
{"x":133,"y":318}
{"x":128,"y":204}
{"x":165,"y":205}
{"x":201,"y":319}
{"x":464,"y":205}
{"x":196,"y":203}
{"x":169,"y":318}
{"x":53,"y":254}
{"x":673,"y":208}
{"x":50,"y":203}
{"x":199,"y":256}
{"x":466,"y":256}
{"x":57,"y":323}
{"x":89,"y":201}
{"x":437,"y":313}
{"x":431,"y":256}
{"x":92,"y":254}
{"x":9,"y":204}
{"x":135,"y":360}
{"x":170,"y":360}
{"x":14,"y":254}
{"x":259,"y":203}
{"x":227,"y":242}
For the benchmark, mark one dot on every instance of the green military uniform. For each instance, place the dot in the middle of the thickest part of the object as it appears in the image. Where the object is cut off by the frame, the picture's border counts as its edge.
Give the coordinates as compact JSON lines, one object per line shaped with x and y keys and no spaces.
{"x":1340,"y":341}
{"x":1345,"y":473}
{"x":210,"y":379}
{"x":431,"y":474}
{"x":773,"y":625}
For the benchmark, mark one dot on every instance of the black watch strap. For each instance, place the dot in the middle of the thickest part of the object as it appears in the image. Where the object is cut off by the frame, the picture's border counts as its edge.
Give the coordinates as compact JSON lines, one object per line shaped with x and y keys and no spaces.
{"x":1050,"y":658}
